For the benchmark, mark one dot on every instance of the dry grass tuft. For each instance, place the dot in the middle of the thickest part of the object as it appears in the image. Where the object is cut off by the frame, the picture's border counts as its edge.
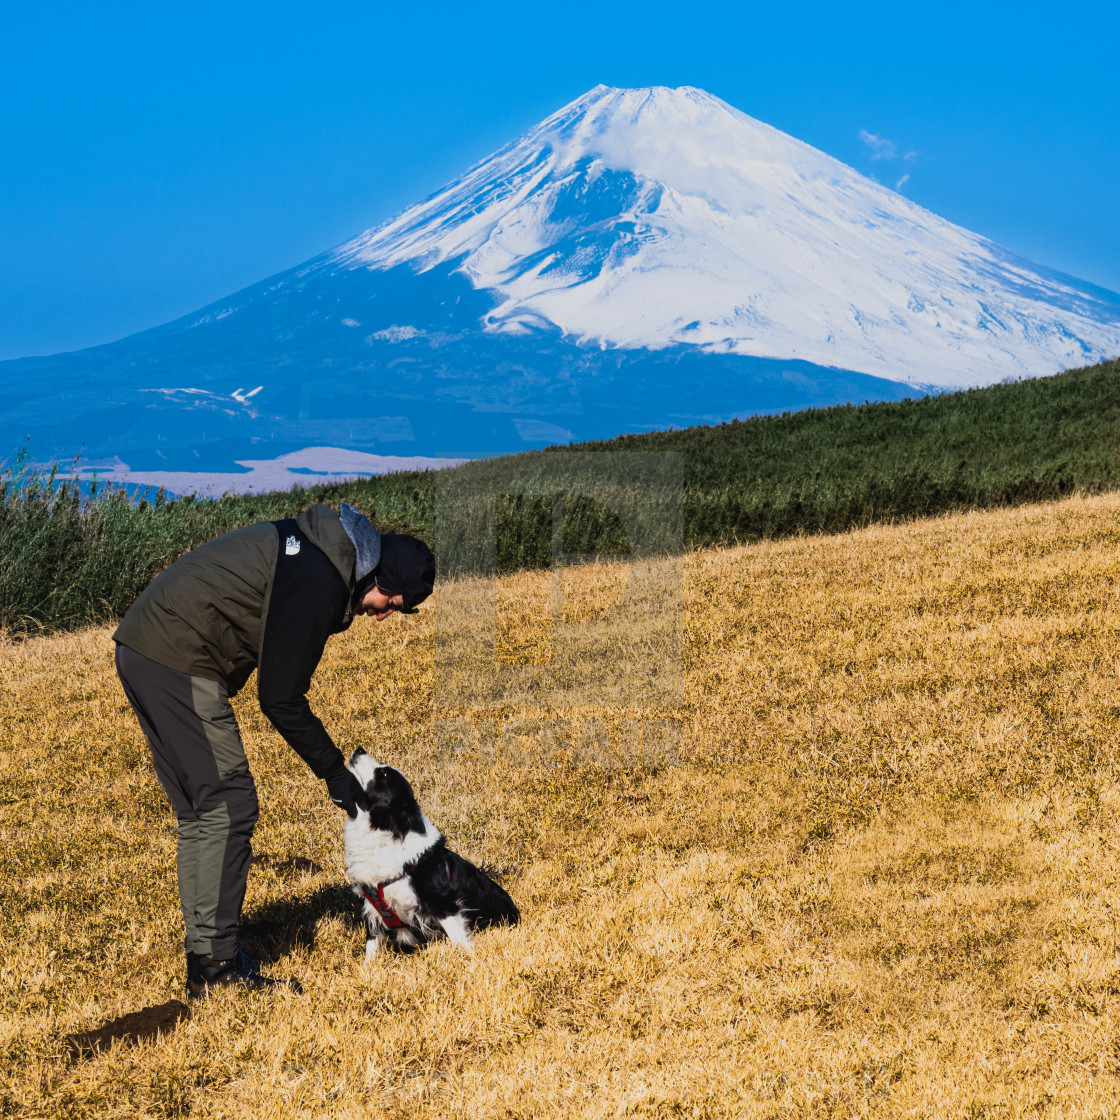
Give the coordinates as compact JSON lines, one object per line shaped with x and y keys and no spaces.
{"x":838,"y":840}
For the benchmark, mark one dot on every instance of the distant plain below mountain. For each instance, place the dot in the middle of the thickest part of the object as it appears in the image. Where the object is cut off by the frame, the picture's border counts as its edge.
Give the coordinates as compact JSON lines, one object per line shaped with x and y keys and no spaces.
{"x":642,"y":259}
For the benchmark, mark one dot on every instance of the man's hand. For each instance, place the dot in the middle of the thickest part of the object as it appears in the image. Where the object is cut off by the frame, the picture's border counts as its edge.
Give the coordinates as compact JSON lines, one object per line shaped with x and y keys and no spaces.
{"x":343,"y":789}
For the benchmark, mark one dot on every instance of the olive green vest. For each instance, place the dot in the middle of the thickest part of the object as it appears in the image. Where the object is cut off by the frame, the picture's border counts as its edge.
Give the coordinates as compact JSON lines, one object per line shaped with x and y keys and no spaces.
{"x":205,"y":614}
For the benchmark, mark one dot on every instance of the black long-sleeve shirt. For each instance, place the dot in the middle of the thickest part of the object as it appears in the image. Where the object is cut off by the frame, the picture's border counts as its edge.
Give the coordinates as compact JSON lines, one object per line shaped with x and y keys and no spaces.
{"x":309,"y":603}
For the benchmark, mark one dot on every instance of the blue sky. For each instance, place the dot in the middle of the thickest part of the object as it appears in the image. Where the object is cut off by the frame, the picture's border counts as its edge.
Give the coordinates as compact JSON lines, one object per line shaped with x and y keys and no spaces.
{"x":154,"y":158}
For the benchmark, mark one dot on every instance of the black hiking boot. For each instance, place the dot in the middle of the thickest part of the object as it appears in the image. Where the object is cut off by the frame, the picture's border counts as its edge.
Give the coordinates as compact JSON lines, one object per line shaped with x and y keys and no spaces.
{"x":240,"y":970}
{"x":194,"y":962}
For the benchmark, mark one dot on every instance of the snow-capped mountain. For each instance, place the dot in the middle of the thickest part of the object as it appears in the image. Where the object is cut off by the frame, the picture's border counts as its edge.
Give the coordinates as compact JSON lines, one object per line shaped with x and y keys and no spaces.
{"x":645,"y":218}
{"x":641,"y":259}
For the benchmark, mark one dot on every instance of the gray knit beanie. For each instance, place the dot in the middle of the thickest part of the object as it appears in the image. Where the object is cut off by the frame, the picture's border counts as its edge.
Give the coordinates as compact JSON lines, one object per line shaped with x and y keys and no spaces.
{"x":366,"y":539}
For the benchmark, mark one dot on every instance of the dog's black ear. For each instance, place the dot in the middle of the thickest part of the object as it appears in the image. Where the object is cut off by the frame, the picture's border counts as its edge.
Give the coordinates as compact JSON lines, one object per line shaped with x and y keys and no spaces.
{"x":393,"y":805}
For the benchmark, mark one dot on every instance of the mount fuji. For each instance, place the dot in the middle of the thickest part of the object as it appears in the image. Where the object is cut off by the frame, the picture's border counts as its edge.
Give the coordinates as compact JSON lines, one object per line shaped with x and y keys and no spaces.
{"x":643,"y":258}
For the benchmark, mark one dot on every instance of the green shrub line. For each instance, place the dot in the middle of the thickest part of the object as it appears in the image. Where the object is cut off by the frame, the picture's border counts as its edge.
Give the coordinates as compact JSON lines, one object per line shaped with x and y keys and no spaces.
{"x":72,"y":555}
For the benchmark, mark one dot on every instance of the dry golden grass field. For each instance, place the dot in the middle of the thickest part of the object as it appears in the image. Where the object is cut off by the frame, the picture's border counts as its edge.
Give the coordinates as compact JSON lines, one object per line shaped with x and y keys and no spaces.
{"x":845,"y":844}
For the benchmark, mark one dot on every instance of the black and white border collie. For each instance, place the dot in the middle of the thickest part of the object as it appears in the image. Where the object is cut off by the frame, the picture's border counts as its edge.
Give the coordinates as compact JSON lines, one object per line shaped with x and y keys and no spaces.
{"x":415,"y":889}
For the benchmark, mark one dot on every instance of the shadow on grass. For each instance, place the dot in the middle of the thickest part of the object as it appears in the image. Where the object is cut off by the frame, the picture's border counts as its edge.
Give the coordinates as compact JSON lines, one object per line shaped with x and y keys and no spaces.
{"x":282,"y":925}
{"x":268,"y":932}
{"x":136,"y":1026}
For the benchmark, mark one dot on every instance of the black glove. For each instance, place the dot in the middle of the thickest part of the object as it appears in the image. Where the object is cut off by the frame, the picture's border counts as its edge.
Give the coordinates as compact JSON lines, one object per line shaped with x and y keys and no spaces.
{"x":343,"y":788}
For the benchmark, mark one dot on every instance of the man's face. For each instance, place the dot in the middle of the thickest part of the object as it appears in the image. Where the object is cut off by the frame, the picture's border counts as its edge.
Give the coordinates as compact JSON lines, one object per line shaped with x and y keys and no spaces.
{"x":377,"y":603}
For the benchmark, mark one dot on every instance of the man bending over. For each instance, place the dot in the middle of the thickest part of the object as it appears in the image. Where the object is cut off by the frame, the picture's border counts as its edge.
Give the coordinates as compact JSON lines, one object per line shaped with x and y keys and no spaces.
{"x":265,"y":597}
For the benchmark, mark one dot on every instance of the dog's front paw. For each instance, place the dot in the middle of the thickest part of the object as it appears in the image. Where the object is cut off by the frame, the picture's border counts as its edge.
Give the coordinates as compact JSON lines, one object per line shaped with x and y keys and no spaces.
{"x":458,"y":932}
{"x":373,"y":947}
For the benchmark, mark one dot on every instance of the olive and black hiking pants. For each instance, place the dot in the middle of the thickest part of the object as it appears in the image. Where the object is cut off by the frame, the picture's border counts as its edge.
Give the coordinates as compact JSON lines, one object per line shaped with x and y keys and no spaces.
{"x":200,"y":762}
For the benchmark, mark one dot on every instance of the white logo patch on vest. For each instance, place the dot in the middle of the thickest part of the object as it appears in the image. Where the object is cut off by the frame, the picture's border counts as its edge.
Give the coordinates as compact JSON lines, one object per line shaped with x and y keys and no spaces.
{"x":291,"y":546}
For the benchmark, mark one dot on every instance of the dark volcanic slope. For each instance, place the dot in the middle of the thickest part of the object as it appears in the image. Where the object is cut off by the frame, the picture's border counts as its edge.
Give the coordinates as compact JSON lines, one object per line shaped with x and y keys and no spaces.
{"x":392,"y":362}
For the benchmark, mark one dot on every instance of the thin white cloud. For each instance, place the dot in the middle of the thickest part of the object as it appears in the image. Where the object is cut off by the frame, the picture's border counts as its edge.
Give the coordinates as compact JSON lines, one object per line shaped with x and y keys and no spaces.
{"x":881,"y":148}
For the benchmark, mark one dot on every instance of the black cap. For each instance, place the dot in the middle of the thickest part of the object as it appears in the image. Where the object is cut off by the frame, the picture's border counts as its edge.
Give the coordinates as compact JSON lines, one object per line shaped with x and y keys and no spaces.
{"x":407,"y":568}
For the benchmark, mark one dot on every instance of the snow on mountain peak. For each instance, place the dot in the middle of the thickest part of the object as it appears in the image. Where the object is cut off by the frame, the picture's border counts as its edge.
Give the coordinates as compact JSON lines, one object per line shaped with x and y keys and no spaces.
{"x":657,"y":217}
{"x":685,"y":138}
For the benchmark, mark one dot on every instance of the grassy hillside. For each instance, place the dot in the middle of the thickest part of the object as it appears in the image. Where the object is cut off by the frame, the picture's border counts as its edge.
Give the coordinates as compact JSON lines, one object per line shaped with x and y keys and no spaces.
{"x":850,"y":850}
{"x":67,"y":562}
{"x":824,"y":470}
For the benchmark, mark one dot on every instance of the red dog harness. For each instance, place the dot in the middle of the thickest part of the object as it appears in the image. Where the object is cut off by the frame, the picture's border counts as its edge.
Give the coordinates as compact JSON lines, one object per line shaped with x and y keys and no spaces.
{"x":389,"y":916}
{"x":385,"y":912}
